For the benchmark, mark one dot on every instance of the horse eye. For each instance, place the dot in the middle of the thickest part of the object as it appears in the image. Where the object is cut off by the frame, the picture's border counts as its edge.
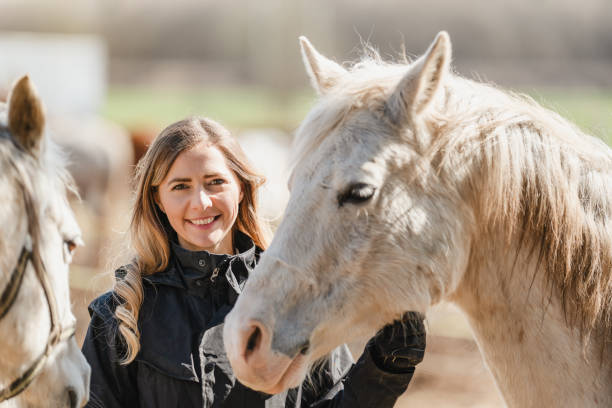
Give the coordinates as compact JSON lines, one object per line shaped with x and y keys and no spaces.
{"x":70,"y":245}
{"x":357,"y":193}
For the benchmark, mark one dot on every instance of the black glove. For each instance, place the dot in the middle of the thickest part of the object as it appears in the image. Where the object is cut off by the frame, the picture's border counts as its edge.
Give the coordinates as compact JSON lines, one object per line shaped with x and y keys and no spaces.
{"x":399,"y":346}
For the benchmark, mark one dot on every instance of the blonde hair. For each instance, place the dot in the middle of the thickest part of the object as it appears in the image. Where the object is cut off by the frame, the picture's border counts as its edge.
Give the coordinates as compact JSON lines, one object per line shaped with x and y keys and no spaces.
{"x":150,"y":231}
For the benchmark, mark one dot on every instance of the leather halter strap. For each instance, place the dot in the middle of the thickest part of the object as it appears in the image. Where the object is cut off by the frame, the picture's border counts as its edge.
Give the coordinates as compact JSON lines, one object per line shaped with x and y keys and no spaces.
{"x":12,"y":289}
{"x":57,"y":333}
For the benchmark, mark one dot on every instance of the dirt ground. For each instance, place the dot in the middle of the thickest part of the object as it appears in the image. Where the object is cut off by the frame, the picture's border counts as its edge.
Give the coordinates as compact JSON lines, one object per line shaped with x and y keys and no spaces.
{"x":452,"y":375}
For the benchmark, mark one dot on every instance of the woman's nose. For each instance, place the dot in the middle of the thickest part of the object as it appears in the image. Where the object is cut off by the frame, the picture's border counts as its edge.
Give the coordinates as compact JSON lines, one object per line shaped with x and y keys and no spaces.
{"x":204,"y":200}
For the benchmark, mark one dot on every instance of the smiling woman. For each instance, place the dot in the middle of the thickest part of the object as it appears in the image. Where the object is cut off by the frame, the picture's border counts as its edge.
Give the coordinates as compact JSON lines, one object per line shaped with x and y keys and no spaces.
{"x":156,"y":339}
{"x":200,"y":196}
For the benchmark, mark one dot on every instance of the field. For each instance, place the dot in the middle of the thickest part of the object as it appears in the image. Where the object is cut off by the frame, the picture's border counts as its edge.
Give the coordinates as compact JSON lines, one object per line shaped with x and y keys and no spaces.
{"x":453,"y":373}
{"x":243,"y":108}
{"x":237,"y":108}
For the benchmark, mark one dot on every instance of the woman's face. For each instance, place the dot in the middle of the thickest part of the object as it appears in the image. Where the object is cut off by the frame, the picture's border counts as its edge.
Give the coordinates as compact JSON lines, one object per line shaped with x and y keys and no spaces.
{"x":200,"y":196}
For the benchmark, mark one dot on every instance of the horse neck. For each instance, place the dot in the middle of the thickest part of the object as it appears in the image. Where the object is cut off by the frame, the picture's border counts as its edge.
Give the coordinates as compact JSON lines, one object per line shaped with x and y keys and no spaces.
{"x":535,"y":358}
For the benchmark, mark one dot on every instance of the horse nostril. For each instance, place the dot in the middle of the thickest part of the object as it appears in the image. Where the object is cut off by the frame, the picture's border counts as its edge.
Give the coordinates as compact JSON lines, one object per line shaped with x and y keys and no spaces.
{"x":72,"y":398}
{"x":254,"y":340}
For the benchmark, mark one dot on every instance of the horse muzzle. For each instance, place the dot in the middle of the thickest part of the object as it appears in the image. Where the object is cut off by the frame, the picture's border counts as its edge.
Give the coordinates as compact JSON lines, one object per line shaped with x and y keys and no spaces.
{"x":248,"y":345}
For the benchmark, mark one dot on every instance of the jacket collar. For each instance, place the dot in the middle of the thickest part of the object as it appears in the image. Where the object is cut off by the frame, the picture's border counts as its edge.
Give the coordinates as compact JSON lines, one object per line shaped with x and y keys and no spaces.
{"x":187,"y":267}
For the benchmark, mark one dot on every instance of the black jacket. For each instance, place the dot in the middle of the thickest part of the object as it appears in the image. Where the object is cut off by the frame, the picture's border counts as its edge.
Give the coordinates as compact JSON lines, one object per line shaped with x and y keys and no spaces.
{"x":182,"y":362}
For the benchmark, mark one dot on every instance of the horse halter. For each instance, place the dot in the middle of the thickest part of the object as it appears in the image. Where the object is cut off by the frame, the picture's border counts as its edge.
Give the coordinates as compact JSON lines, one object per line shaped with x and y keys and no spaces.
{"x":57,"y":333}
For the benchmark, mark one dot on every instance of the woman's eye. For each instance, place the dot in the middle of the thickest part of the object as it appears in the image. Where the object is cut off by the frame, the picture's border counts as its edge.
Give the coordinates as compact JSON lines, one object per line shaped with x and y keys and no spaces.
{"x":217,"y":181}
{"x":179,"y":186}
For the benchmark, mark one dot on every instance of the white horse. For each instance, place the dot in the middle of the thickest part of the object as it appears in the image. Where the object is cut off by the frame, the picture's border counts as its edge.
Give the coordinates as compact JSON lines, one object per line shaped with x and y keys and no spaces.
{"x":412,"y":186}
{"x":40,"y":362}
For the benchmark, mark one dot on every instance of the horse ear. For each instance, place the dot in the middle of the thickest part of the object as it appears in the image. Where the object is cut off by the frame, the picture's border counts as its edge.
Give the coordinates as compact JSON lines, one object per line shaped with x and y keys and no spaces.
{"x":418,"y":87}
{"x":26,"y":115}
{"x":324,"y":73}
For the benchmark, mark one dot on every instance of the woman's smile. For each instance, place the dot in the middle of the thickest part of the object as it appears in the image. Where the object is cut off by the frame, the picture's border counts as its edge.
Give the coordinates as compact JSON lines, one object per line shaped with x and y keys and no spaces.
{"x":201,"y":196}
{"x":203,"y":223}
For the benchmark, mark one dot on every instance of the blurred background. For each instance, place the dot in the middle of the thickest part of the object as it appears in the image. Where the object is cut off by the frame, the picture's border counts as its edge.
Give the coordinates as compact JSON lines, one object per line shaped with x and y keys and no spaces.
{"x":114,"y":73}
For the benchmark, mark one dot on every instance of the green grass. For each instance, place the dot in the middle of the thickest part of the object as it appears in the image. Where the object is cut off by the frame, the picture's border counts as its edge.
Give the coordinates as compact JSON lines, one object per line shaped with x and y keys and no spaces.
{"x":237,"y":108}
{"x":241,"y":108}
{"x":590,"y":109}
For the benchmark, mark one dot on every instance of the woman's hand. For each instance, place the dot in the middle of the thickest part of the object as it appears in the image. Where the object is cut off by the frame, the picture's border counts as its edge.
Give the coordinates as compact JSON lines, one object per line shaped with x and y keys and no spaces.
{"x":399,"y":346}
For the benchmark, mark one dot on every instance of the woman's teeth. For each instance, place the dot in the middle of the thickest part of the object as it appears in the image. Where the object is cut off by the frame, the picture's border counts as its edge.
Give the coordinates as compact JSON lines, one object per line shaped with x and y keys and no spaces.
{"x":203,"y":221}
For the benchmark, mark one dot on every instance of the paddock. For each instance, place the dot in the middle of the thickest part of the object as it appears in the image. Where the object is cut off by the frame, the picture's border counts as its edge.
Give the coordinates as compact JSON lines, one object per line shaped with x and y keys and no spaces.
{"x":452,"y":374}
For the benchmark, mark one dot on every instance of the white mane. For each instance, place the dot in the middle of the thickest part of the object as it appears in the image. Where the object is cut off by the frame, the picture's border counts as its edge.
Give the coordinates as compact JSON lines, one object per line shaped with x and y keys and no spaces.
{"x":559,"y":173}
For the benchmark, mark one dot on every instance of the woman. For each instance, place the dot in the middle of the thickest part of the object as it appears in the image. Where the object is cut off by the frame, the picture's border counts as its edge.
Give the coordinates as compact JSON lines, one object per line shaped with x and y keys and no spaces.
{"x":195,"y":234}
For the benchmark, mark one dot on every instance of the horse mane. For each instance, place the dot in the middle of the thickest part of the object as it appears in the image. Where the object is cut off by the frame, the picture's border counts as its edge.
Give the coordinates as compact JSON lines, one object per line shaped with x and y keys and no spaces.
{"x":544,"y":182}
{"x":540,"y":178}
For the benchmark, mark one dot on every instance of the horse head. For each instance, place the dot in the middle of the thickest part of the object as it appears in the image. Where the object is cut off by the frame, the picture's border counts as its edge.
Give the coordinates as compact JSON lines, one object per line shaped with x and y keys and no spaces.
{"x":370,"y":230}
{"x":41,"y":363}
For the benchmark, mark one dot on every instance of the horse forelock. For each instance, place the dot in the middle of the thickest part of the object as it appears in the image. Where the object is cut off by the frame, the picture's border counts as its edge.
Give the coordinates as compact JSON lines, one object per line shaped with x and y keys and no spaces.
{"x":42,"y":183}
{"x":366,"y":86}
{"x":17,"y":171}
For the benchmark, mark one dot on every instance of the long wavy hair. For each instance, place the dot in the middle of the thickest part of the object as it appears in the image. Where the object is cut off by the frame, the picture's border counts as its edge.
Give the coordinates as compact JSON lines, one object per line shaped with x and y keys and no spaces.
{"x":150,"y":230}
